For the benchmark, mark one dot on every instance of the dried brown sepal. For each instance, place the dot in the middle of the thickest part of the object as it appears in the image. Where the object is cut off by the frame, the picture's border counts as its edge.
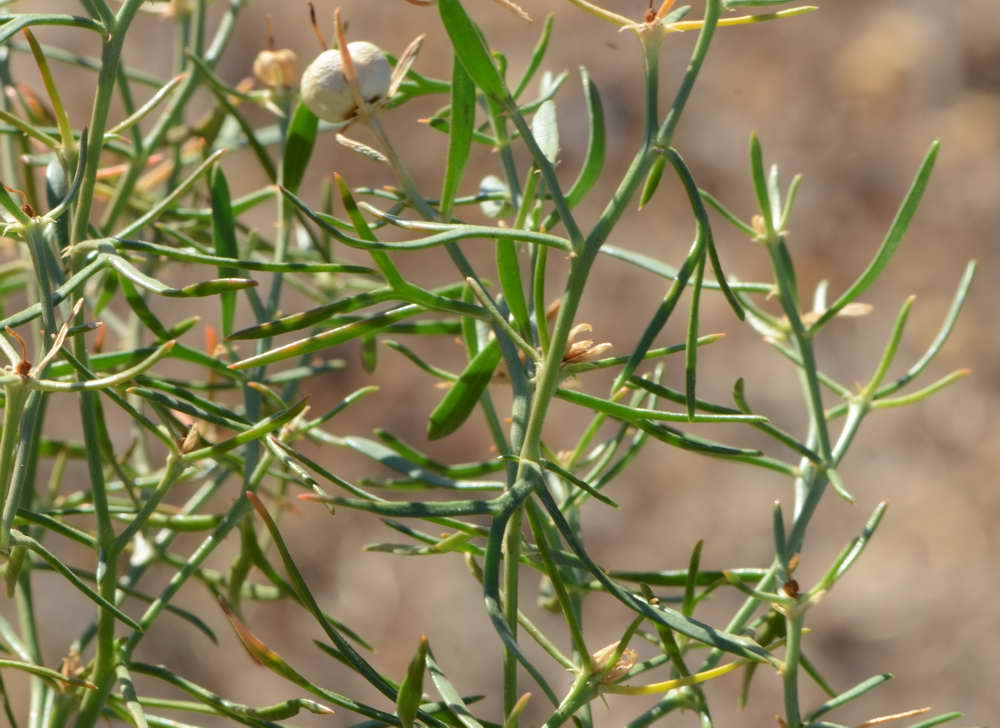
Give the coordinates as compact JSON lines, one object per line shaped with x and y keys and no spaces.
{"x":100,"y":338}
{"x":23,"y":366}
{"x":578,"y":352}
{"x":613,"y":673}
{"x":191,"y":439}
{"x":404,"y":64}
{"x":315,"y":28}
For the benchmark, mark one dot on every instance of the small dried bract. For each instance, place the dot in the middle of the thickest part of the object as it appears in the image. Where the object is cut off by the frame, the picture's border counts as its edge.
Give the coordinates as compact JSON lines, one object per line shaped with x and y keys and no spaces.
{"x":851,"y":310}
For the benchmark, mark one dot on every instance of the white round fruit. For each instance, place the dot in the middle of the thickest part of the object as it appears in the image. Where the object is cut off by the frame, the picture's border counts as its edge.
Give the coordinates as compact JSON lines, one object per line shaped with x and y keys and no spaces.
{"x":324,"y":87}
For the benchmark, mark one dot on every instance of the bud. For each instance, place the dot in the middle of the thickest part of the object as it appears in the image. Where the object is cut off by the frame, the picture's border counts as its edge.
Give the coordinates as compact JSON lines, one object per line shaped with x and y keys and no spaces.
{"x":276,"y":68}
{"x":324,"y":85}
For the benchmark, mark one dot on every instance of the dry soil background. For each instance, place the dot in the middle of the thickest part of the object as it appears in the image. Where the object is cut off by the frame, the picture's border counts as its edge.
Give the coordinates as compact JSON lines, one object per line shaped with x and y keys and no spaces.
{"x":851,"y":96}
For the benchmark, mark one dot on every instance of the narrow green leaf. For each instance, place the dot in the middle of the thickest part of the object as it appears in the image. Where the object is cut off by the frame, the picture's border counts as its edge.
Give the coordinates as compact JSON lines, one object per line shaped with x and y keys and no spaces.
{"x":467,"y":470}
{"x":687,"y":441}
{"x":838,"y":485}
{"x":299,"y":145}
{"x":694,"y":320}
{"x":420,"y":363}
{"x":224,"y":238}
{"x":780,"y":544}
{"x":790,"y":197}
{"x":391,"y":459}
{"x":210,"y":288}
{"x":848,"y":695}
{"x":704,"y":229}
{"x":460,"y":400}
{"x":204,"y":288}
{"x":189,"y":403}
{"x":891,"y":242}
{"x":593,"y":161}
{"x":731,"y":216}
{"x":942,"y":336}
{"x":452,"y":698}
{"x":189,"y":255}
{"x":760,"y":183}
{"x":142,"y":311}
{"x":21,"y":539}
{"x":255,"y":432}
{"x":330,"y":338}
{"x":537,"y":55}
{"x":443,"y":233}
{"x":471,"y":49}
{"x":694,"y":563}
{"x":45,"y":672}
{"x":854,"y":551}
{"x":392,"y":275}
{"x":578,"y":482}
{"x":635,"y":414}
{"x":821,"y":681}
{"x":462,"y":123}
{"x":12,"y":569}
{"x":680,"y":577}
{"x":16,"y":23}
{"x":511,"y":283}
{"x":412,"y":688}
{"x":735,"y":644}
{"x":491,"y":575}
{"x":443,"y":124}
{"x":938,"y":720}
{"x":306,"y":598}
{"x":663,"y":270}
{"x":305,"y":319}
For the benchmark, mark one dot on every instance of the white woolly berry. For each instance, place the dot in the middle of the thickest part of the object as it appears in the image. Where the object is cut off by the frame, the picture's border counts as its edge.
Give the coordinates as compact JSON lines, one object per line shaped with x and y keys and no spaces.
{"x":324,"y":87}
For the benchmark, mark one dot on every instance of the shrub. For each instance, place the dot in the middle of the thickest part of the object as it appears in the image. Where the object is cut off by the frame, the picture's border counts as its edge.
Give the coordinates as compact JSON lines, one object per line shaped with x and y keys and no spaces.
{"x":96,"y":250}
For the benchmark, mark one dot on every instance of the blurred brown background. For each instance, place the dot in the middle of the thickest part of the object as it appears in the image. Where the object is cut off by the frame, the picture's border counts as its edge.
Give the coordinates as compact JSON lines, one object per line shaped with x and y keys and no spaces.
{"x":851,"y":96}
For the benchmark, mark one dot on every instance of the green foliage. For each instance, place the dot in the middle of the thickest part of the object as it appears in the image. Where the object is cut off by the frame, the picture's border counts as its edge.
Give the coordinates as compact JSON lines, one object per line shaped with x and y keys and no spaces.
{"x":105,"y":242}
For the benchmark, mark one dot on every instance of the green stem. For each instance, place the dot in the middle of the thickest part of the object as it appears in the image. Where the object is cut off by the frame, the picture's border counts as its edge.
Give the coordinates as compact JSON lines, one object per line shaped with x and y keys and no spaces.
{"x":105,"y":661}
{"x":155,"y":138}
{"x":110,"y":58}
{"x":13,"y":414}
{"x":548,"y":377}
{"x":790,"y":675}
{"x":512,"y":556}
{"x":580,"y":693}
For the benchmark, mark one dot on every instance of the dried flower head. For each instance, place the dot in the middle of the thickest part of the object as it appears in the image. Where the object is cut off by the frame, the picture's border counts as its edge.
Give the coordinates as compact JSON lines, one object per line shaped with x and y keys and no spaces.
{"x":613,"y":673}
{"x":578,"y":352}
{"x":325,"y":87}
{"x":276,"y":68}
